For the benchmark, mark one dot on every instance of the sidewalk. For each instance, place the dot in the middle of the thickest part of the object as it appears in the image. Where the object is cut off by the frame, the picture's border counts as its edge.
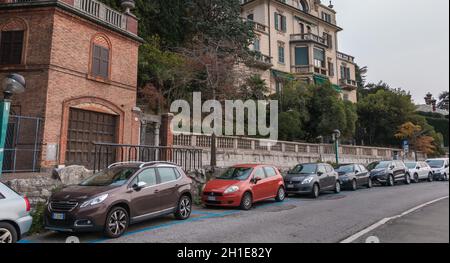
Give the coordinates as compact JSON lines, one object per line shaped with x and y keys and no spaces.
{"x":427,"y":225}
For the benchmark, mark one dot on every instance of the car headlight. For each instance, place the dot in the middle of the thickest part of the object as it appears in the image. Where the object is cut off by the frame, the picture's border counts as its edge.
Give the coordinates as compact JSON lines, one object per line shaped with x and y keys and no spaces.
{"x":308,"y":180}
{"x":95,"y":201}
{"x":231,"y":189}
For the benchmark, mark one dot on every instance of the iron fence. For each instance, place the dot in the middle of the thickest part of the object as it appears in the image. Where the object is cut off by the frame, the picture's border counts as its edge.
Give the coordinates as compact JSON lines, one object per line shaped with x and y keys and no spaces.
{"x":107,"y":153}
{"x":23,"y":144}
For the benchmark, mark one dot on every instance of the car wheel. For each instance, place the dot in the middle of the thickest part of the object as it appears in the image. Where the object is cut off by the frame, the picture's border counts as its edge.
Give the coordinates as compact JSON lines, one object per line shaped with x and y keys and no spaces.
{"x":337,"y":188}
{"x":8,"y":233}
{"x":354,"y":185}
{"x":407,"y":179}
{"x":315,"y":191}
{"x":369,"y":183}
{"x":390,"y":181}
{"x":184,"y":208}
{"x":445,"y":178}
{"x":116,"y":222}
{"x":416,"y":178}
{"x":247,"y":201}
{"x":281,"y":194}
{"x":430,"y":177}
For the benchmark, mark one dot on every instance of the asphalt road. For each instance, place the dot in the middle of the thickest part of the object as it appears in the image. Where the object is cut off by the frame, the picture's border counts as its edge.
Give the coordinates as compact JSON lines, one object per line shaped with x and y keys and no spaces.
{"x":331,"y":218}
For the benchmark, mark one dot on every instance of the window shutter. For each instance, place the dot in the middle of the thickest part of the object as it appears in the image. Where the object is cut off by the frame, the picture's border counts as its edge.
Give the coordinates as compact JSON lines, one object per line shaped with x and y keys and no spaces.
{"x":301,"y":56}
{"x":11,"y":47}
{"x":347,"y":73}
{"x":277,"y":22}
{"x":96,"y":54}
{"x":104,"y":63}
{"x":283,"y":24}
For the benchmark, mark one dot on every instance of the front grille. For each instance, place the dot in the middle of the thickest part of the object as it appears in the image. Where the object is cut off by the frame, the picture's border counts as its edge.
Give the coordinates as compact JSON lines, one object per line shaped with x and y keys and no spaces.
{"x":63,"y":206}
{"x":212,"y":194}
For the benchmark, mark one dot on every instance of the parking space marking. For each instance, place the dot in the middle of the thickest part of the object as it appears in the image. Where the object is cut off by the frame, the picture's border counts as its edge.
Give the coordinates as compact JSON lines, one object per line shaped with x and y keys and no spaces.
{"x":385,"y":220}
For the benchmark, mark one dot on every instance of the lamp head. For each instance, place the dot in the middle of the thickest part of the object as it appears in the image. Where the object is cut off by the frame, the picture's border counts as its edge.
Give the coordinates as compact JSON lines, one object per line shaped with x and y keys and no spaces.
{"x":13,"y":84}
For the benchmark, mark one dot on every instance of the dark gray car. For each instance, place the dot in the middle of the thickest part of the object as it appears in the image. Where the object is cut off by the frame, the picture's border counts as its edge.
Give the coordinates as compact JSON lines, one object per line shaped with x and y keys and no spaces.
{"x":312,"y":179}
{"x":389,"y":172}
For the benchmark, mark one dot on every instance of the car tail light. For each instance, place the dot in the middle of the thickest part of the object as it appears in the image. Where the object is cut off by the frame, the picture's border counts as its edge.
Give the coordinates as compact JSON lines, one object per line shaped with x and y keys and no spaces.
{"x":27,"y":203}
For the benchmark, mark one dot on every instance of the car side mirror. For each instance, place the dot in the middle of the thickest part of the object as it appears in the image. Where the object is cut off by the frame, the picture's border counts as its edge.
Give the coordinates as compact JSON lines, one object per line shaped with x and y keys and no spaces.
{"x":418,"y":168}
{"x":446,"y":166}
{"x":319,"y":173}
{"x":391,"y":167}
{"x":139,"y":186}
{"x":356,"y":172}
{"x":256,"y":180}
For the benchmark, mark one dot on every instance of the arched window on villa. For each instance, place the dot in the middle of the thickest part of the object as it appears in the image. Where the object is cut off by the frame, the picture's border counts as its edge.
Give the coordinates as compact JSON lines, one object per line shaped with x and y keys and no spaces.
{"x":303,"y":6}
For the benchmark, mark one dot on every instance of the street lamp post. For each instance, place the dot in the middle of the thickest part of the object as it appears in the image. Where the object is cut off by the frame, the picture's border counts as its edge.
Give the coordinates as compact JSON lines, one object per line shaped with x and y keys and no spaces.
{"x":12,"y":84}
{"x":336,"y":136}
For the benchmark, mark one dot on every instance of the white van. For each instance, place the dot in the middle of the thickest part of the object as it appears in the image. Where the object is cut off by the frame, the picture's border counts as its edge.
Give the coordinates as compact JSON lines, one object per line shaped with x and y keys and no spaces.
{"x":440,"y":168}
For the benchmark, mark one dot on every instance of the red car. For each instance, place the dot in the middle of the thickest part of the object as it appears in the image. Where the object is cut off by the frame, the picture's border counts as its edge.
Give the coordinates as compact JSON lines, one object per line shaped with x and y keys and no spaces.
{"x":243,"y":185}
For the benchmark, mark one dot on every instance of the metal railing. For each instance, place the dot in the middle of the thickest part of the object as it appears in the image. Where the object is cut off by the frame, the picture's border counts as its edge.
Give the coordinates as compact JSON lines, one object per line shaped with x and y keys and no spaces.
{"x":95,"y":9}
{"x":345,"y":57}
{"x":309,"y":37}
{"x":107,"y":153}
{"x":23,"y":144}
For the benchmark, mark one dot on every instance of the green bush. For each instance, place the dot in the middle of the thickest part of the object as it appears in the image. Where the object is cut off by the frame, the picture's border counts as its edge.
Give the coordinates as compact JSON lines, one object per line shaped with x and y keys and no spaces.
{"x":38,"y":219}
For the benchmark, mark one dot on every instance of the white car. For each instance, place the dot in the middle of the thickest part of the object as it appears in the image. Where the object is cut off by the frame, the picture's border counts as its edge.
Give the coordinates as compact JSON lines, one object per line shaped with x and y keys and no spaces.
{"x":440,"y":168}
{"x":15,"y":219}
{"x":419,"y":171}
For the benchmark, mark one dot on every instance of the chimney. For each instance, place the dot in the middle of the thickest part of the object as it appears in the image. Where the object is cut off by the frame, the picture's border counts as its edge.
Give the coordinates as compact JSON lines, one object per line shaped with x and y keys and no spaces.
{"x":127,"y":5}
{"x":433,"y":103}
{"x":428,"y":98}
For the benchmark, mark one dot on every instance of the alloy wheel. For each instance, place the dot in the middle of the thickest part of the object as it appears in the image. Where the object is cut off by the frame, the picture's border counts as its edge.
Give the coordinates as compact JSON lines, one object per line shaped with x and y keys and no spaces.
{"x":430,"y":178}
{"x":281,"y":194}
{"x":338,"y":188}
{"x":391,"y":180}
{"x":408,"y":179}
{"x":117,"y":222}
{"x":416,"y":178}
{"x":369,"y":183}
{"x":185,"y":207}
{"x":316,"y":191}
{"x":354,"y":185}
{"x":5,"y":236}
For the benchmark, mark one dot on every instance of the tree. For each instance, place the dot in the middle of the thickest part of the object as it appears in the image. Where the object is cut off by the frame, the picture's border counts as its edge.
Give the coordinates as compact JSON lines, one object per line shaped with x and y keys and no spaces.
{"x":416,"y":137}
{"x":380,"y":113}
{"x":253,"y":88}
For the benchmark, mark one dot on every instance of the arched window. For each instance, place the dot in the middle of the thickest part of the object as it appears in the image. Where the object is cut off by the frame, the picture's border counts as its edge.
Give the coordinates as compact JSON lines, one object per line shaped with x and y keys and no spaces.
{"x":100,"y":57}
{"x":303,"y":5}
{"x":12,"y":42}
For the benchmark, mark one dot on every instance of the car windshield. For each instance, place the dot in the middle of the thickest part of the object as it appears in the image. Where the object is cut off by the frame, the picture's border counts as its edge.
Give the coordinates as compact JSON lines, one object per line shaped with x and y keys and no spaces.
{"x":436,"y":163}
{"x":116,"y":176}
{"x":304,"y":169}
{"x":382,"y":165}
{"x":345,"y":169}
{"x":411,"y":165}
{"x":236,"y":173}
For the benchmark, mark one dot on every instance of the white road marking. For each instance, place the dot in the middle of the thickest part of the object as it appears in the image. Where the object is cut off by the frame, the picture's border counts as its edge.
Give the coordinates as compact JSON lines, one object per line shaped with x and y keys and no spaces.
{"x":385,"y":220}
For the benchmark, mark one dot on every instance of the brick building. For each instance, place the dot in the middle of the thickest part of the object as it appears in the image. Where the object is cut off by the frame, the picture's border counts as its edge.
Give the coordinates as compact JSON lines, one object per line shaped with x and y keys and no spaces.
{"x":79,"y":58}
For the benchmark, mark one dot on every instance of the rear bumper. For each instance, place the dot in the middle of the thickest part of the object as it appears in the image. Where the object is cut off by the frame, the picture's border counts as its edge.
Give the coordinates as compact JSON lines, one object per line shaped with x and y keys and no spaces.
{"x":24,"y":224}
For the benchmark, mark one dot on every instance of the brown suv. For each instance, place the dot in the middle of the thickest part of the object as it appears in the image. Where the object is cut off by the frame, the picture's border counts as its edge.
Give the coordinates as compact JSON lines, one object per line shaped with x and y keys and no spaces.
{"x":123,"y":194}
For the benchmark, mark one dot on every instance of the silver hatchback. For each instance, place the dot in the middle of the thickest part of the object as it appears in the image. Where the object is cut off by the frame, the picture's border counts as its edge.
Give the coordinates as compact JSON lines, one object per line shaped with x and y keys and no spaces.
{"x":15,"y":219}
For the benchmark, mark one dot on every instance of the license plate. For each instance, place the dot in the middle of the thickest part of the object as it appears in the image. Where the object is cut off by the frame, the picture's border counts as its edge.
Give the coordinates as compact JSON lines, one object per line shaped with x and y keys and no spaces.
{"x":290,"y":186}
{"x":58,"y":216}
{"x":211,"y":198}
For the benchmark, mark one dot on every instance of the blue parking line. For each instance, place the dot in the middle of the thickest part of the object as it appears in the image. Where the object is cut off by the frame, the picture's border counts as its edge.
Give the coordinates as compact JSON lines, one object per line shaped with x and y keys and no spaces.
{"x":210,"y":215}
{"x":207,"y":215}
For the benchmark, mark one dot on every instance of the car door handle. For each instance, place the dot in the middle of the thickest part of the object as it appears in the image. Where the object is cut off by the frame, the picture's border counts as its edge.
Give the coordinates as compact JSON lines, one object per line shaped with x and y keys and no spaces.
{"x":156,"y":191}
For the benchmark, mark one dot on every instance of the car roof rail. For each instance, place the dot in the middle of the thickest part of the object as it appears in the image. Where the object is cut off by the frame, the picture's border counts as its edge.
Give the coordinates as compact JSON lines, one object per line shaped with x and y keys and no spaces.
{"x":122,"y":163}
{"x":147,"y":164}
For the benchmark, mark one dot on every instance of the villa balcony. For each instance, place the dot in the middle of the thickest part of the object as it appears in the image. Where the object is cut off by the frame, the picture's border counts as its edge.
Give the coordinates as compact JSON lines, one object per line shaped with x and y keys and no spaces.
{"x":308,"y":70}
{"x":309,"y":37}
{"x":259,"y":27}
{"x":348,"y":84}
{"x":345,"y":57}
{"x":91,"y":8}
{"x":260,"y":61}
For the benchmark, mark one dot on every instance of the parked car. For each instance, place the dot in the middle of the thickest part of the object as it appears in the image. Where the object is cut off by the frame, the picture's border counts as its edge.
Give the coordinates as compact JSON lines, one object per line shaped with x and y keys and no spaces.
{"x":243,"y":185}
{"x":419,"y":171}
{"x":353,"y":176}
{"x":440,"y":168}
{"x":390,"y":172}
{"x":122,"y":194}
{"x":312,"y":179}
{"x":15,"y":219}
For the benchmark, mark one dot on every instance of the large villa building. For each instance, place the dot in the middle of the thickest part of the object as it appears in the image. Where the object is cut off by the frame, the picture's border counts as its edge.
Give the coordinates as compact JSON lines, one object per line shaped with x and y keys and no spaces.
{"x":299,"y":38}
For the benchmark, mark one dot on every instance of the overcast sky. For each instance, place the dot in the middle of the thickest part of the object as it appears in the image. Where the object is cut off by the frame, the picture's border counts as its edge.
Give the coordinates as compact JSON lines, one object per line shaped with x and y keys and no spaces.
{"x":403,"y":42}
